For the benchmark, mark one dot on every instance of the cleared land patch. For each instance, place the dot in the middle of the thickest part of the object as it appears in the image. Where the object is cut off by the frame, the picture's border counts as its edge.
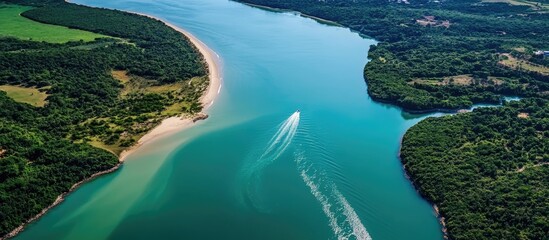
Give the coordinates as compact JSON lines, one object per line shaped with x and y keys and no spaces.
{"x":460,"y":80}
{"x":519,"y":64}
{"x":32,"y":96}
{"x":432,"y":21}
{"x":113,"y":148}
{"x":121,"y":76}
{"x":181,"y":94}
{"x":179,"y":90}
{"x":12,"y":24}
{"x":463,"y":80}
{"x":523,"y":115}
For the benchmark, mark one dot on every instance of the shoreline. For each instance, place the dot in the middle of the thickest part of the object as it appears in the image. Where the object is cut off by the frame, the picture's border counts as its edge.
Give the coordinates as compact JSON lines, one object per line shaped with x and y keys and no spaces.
{"x":176,"y":124}
{"x":167,"y":127}
{"x":58,"y":201}
{"x":441,"y":219}
{"x":320,"y":20}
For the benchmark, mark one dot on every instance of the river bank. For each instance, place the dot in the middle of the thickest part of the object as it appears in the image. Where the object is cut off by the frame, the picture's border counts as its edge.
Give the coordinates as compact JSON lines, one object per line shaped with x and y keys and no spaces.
{"x":58,"y":201}
{"x":167,"y":127}
{"x":320,"y":20}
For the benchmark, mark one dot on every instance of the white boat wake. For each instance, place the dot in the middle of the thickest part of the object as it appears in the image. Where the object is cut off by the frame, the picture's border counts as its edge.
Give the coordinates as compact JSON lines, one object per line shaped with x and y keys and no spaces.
{"x":276,"y":146}
{"x":342,"y":218}
{"x":282,"y":139}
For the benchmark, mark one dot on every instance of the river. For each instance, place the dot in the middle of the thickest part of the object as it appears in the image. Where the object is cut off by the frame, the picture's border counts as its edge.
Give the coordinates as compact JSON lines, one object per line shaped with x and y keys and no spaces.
{"x":258,"y":168}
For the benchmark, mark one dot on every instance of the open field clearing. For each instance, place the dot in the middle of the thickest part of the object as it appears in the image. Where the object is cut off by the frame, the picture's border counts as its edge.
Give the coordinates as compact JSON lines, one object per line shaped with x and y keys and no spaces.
{"x":12,"y":24}
{"x":31,"y":96}
{"x":512,"y":62}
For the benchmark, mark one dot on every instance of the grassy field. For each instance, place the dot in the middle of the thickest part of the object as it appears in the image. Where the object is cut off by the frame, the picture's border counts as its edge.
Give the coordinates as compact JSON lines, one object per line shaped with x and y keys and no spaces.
{"x":515,"y":63}
{"x":115,"y":149}
{"x":14,"y":25}
{"x":31,"y":96}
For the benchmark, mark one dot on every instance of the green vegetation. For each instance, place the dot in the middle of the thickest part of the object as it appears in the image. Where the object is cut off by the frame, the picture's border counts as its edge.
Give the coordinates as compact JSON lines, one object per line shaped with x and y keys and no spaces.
{"x":12,"y":24}
{"x":106,"y":93}
{"x":36,"y":167}
{"x":486,"y":170}
{"x":441,"y":39}
{"x":518,"y":63}
{"x":32,"y":96}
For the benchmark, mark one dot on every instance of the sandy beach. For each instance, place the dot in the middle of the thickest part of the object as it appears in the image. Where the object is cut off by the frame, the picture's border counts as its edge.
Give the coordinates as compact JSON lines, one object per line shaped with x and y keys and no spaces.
{"x":175,"y":124}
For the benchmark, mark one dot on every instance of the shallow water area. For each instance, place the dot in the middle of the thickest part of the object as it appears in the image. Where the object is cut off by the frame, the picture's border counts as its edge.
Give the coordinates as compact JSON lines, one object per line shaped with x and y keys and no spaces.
{"x":294,"y":148}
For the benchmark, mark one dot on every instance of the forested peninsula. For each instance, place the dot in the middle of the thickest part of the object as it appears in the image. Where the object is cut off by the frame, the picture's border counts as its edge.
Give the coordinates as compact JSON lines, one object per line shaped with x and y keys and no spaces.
{"x":77,"y":86}
{"x":487,"y":170}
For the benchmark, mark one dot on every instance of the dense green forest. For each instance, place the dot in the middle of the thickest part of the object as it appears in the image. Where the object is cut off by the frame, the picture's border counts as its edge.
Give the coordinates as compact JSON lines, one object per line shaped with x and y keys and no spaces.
{"x":487,"y":170}
{"x":442,"y":54}
{"x":36,"y":167}
{"x":105,"y":93}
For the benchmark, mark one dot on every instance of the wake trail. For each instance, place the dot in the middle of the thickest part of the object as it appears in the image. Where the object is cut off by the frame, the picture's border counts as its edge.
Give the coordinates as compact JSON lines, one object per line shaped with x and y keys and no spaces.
{"x":275,"y":147}
{"x":286,"y":131}
{"x":342,"y":218}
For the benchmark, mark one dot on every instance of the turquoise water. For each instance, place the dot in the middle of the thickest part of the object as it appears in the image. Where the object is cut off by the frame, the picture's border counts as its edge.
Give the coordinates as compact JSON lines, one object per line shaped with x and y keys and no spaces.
{"x":257,"y":169}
